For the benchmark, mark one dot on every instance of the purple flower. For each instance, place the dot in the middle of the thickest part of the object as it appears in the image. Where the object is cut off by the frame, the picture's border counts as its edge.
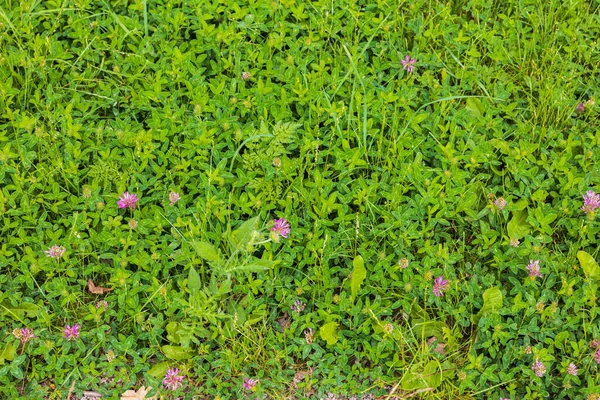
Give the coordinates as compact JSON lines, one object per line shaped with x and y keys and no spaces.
{"x":102,"y":304}
{"x":127,"y":200}
{"x":408,"y":63}
{"x":514,"y":242}
{"x":172,"y":379}
{"x":439,"y":286}
{"x":572,"y":369}
{"x":534,"y":269}
{"x":500,"y":203}
{"x":298,"y":306}
{"x":24,"y":334}
{"x":173,"y":198}
{"x":538,"y":368}
{"x":281,"y":227}
{"x":71,"y":332}
{"x":597,"y":356}
{"x":591,"y":201}
{"x":56,"y":252}
{"x":246,"y":75}
{"x":250,"y":383}
{"x":580,"y":108}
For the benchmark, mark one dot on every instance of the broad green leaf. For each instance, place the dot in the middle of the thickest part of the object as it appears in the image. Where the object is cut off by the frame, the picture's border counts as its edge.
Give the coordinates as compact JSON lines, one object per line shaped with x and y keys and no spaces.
{"x":159,"y":370}
{"x":242,"y":236}
{"x":359,"y":273}
{"x":17,"y":312}
{"x":588,"y":264}
{"x":176,"y":353}
{"x":492,"y":300}
{"x":518,"y":227}
{"x":475,"y":106}
{"x":8,"y":353}
{"x":193,"y":282}
{"x":207,"y":251}
{"x":328,"y":333}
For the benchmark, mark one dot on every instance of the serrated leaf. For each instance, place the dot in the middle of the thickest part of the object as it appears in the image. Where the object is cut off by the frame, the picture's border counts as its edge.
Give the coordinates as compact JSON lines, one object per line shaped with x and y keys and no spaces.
{"x":359,"y":273}
{"x":206,"y":251}
{"x":517,"y":227}
{"x":328,"y":332}
{"x":588,"y":265}
{"x":176,"y":353}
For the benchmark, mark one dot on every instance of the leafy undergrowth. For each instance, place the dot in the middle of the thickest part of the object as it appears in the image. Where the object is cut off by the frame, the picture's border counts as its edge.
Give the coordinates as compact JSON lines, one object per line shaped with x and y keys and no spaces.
{"x":299,"y":199}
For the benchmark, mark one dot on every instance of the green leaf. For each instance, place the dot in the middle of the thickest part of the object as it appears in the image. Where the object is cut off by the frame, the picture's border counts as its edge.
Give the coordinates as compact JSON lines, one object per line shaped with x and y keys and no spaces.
{"x":207,"y":251}
{"x":588,"y":264}
{"x":8,"y":353}
{"x":492,"y":300}
{"x":17,"y":312}
{"x":176,"y":353}
{"x":518,"y":227}
{"x":492,"y":303}
{"x":193,"y":282}
{"x":328,"y":332}
{"x":359,"y":273}
{"x":242,"y":236}
{"x":159,"y":370}
{"x":475,"y":106}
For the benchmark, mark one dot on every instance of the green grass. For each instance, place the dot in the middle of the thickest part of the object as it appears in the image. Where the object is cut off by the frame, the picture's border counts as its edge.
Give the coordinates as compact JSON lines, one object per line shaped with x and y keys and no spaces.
{"x":365,"y":160}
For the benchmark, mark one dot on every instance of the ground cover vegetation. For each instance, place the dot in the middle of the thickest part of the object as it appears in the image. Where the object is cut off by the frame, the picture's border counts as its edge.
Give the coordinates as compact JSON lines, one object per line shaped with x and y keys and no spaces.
{"x":288,"y":199}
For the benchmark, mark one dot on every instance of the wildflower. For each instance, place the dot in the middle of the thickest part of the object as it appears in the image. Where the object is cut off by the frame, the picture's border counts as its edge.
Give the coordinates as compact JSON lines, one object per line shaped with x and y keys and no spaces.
{"x":277,"y":162}
{"x":572,"y":369}
{"x":24,"y":334}
{"x":534,"y":268}
{"x":439,"y":286}
{"x":309,"y":336}
{"x":408,"y":63}
{"x":580,"y":108}
{"x":538,"y":368}
{"x":87,"y":192}
{"x":388,"y":328}
{"x":246,"y":75}
{"x":110,"y":356}
{"x":281,"y":227}
{"x":298,"y":306}
{"x":102,"y":304}
{"x":127,"y":200}
{"x":514,"y":242}
{"x":100,"y":205}
{"x":594,"y":344}
{"x":172,"y":379}
{"x":527,"y":349}
{"x":173,"y":198}
{"x":250,"y":383}
{"x":56,"y":252}
{"x":591,"y":201}
{"x":500,"y":203}
{"x":403,"y":263}
{"x":597,"y":356}
{"x":71,"y":332}
{"x":132,"y":223}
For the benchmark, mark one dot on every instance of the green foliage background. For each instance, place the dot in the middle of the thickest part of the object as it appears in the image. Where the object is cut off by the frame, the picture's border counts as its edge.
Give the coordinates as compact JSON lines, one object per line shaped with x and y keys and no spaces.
{"x":364,"y":160}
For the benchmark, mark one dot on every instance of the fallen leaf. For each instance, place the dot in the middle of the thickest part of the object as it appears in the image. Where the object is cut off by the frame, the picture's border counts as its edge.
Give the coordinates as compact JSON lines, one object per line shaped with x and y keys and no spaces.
{"x":97,"y":289}
{"x":284,"y":321}
{"x":140,"y":394}
{"x":88,"y":394}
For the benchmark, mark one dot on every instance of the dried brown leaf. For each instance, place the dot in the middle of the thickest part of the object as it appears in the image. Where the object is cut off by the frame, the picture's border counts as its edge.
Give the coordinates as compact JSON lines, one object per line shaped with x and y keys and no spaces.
{"x":140,"y":394}
{"x":97,"y":289}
